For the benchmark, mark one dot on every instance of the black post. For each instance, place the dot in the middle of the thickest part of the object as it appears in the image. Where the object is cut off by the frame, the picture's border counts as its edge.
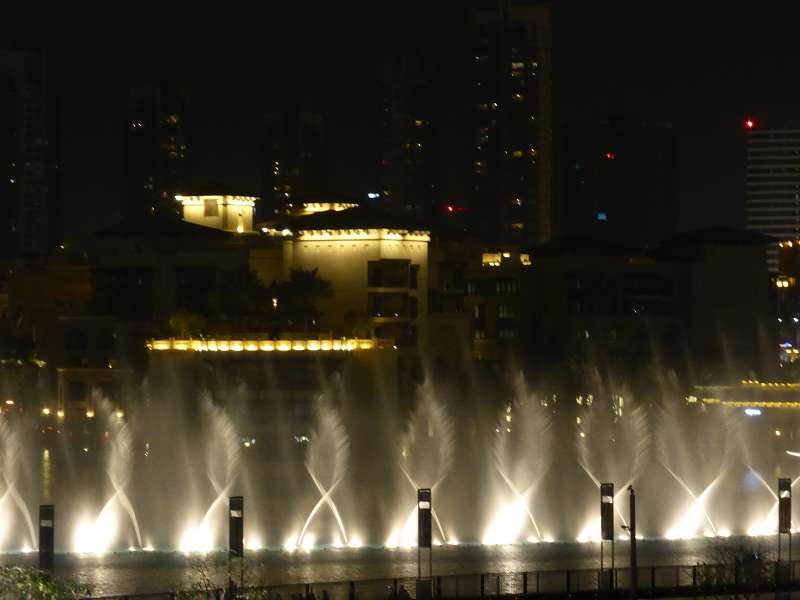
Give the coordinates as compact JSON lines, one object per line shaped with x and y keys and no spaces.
{"x":606,"y":530}
{"x":632,"y":531}
{"x":424,"y":540}
{"x":236,"y":536}
{"x":47,"y":516}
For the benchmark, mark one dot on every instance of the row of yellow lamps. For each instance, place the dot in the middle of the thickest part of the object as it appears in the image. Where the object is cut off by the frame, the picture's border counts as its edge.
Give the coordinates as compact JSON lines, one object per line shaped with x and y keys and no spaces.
{"x":89,"y":412}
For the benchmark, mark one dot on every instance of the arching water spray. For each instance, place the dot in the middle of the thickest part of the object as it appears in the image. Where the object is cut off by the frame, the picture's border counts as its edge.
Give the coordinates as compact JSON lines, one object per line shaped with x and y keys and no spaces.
{"x":10,"y":447}
{"x":426,"y":456}
{"x":97,"y":536}
{"x":326,"y":463}
{"x":222,"y":466}
{"x":622,"y":439}
{"x":521,"y":452}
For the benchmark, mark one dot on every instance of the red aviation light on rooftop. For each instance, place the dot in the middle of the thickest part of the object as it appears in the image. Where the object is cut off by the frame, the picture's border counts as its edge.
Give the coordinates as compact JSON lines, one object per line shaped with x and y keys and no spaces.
{"x":609,"y":156}
{"x":749,"y":123}
{"x":450,"y":208}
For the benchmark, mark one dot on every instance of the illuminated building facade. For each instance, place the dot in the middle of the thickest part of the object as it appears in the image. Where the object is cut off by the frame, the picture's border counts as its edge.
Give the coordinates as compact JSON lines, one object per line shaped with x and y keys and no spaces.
{"x":228,"y":213}
{"x":155,"y":152}
{"x":787,"y":296}
{"x":409,"y":166}
{"x":293,"y":155}
{"x":586,"y":299}
{"x":510,"y":195}
{"x":617,"y":182}
{"x":28,"y":156}
{"x":377,"y":265}
{"x":772,"y":182}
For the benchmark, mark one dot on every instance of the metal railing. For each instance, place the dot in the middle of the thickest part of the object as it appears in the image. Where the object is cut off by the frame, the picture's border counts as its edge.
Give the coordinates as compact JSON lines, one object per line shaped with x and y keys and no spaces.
{"x":653,"y":582}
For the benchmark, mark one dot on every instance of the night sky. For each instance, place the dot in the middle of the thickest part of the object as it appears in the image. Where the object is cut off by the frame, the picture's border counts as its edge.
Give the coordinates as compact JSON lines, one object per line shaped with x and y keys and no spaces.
{"x":701,"y":65}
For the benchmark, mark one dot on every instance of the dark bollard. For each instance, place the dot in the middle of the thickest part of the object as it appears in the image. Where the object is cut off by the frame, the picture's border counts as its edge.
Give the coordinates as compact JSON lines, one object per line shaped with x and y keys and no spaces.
{"x":47,"y":516}
{"x":352,"y":594}
{"x":483,"y":586}
{"x":525,"y":583}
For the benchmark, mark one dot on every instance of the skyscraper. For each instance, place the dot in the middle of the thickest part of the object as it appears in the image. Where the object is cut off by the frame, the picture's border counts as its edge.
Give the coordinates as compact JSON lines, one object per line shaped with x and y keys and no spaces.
{"x":293,"y":155}
{"x":155,"y":151}
{"x":511,"y":180}
{"x":617,"y":182}
{"x":28,"y":166}
{"x":772,"y":182}
{"x":409,"y":168}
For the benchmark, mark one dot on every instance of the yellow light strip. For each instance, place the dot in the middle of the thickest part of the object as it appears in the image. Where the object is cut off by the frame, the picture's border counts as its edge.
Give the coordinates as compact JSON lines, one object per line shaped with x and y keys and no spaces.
{"x":213,"y":345}
{"x":230,"y":200}
{"x":317,"y":207}
{"x":363,"y":234}
{"x":754,"y":403}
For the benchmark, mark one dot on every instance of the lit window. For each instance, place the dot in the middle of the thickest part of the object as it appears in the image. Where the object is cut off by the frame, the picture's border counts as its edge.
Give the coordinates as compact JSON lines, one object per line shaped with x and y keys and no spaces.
{"x":602,"y":216}
{"x":491,"y":259}
{"x":516,"y":153}
{"x":525,"y":259}
{"x":518,"y":97}
{"x":210,"y":207}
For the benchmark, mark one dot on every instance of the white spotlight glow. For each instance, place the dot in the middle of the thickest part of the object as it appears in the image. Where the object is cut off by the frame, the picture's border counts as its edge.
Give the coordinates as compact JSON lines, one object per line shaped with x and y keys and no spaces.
{"x":290,"y":545}
{"x":254,"y":543}
{"x":196,"y":539}
{"x":308,"y":542}
{"x":507,"y":524}
{"x":95,"y":537}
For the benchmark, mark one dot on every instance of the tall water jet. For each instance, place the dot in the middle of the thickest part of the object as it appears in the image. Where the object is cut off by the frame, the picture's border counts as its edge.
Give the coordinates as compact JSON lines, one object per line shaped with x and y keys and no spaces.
{"x":222,"y":466}
{"x":426,"y":456}
{"x":521,"y":452}
{"x":10,"y":455}
{"x":613,"y":444}
{"x":96,"y":536}
{"x":680,"y":454}
{"x":326,"y":462}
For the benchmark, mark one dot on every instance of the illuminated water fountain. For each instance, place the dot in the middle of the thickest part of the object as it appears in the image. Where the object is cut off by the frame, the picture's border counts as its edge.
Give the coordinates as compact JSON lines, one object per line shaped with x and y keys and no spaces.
{"x":426,"y":457}
{"x":326,"y":461}
{"x":98,"y":535}
{"x":521,"y":453}
{"x":10,"y":451}
{"x":222,"y":467}
{"x":678,"y":445}
{"x":613,"y":444}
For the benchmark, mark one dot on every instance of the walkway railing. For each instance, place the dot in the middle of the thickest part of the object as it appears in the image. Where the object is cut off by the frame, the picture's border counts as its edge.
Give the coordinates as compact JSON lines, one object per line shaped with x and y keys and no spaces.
{"x":679,"y":581}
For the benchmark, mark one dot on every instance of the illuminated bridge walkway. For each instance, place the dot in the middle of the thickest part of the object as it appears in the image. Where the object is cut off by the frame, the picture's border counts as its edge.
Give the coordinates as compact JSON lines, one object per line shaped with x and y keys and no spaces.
{"x":719,"y":580}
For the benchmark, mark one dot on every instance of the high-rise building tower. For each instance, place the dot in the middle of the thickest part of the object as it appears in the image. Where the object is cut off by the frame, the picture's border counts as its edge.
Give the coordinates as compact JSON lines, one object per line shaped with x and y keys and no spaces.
{"x":511,"y":180}
{"x":28,"y":165}
{"x":618,"y":182}
{"x":772,"y":183}
{"x":294,"y":158}
{"x":155,"y":152}
{"x":409,"y":168}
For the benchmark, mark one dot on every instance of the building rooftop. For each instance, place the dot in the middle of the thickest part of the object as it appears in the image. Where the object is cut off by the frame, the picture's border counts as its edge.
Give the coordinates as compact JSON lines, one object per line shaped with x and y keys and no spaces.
{"x":360,"y":217}
{"x":727,"y":236}
{"x":580,"y":246}
{"x":161,"y":228}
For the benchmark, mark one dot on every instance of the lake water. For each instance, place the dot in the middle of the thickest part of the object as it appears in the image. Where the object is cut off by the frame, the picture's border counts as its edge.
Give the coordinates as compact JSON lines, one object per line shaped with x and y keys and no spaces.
{"x":142,"y":572}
